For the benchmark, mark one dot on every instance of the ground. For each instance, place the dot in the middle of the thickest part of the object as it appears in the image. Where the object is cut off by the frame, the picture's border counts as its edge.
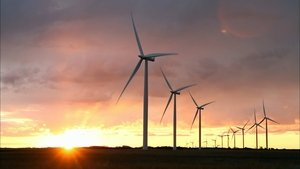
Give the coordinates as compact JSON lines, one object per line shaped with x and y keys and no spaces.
{"x":162,"y":158}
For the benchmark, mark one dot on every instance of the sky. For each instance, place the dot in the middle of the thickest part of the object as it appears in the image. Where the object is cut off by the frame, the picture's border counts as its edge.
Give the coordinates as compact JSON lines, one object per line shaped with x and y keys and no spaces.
{"x":65,"y":62}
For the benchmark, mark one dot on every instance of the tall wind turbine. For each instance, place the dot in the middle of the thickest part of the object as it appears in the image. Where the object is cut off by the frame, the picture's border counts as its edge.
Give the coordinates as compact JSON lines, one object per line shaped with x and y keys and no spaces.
{"x":243,"y":132}
{"x":266,"y":119}
{"x":256,"y":125}
{"x":148,"y":57}
{"x":199,"y":109}
{"x":173,"y":93}
{"x":233,"y":135}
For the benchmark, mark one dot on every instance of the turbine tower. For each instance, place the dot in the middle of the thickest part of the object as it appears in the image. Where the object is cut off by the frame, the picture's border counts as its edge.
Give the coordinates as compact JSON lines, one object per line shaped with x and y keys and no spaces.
{"x":199,"y":109}
{"x":221,"y":139}
{"x":205,"y":143}
{"x":215,"y":141}
{"x":233,"y":135}
{"x":148,"y":57}
{"x":227,"y":135}
{"x":266,"y":119}
{"x":243,"y":132}
{"x":173,"y":93}
{"x":256,"y":131}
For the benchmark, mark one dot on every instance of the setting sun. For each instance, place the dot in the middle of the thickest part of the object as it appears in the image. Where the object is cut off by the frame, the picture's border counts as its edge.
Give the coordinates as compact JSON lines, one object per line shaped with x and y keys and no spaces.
{"x":71,"y":138}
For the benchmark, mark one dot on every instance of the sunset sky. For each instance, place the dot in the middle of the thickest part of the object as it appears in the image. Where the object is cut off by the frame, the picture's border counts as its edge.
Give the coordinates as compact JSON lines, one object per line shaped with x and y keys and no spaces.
{"x":65,"y":62}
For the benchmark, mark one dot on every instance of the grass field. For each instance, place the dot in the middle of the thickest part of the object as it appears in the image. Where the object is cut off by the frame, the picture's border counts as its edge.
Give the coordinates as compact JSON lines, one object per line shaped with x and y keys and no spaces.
{"x":123,"y":158}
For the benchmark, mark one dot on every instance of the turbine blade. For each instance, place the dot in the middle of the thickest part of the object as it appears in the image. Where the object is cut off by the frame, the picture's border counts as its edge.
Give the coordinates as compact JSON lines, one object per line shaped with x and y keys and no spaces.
{"x":264,"y":108}
{"x":168,"y":83}
{"x":255,"y":115}
{"x":195,"y":117}
{"x":193,"y":100}
{"x":239,"y":128}
{"x":251,"y":127}
{"x":245,"y":124}
{"x":182,"y":88}
{"x":166,"y":107}
{"x":262,"y":120}
{"x":228,"y":131}
{"x":137,"y":36}
{"x":154,"y":55}
{"x":206,"y":104}
{"x":130,"y":78}
{"x":273,"y":120}
{"x":260,"y":126}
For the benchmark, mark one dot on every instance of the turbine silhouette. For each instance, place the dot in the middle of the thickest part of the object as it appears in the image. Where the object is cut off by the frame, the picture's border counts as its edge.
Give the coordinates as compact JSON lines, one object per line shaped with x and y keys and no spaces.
{"x":233,"y":135}
{"x":199,"y":109}
{"x":173,"y":93}
{"x":243,"y":132}
{"x":227,"y":135}
{"x":215,"y":141}
{"x":205,"y":143}
{"x":221,"y":139}
{"x":256,"y":125}
{"x":146,"y":58}
{"x":266,"y":119}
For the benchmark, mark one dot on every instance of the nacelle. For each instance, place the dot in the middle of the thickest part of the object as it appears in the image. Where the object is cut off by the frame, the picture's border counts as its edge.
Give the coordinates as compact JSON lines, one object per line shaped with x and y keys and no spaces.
{"x":147,"y":58}
{"x":174,"y":92}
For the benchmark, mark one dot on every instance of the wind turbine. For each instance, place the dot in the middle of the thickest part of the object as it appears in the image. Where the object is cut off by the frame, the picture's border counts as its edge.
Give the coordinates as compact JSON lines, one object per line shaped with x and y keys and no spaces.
{"x":205,"y":143}
{"x":173,"y":93}
{"x":199,"y":108}
{"x":143,"y":57}
{"x":256,"y":125}
{"x":243,"y":132}
{"x":233,"y":135}
{"x":266,"y":119}
{"x":215,"y":141}
{"x":227,"y":135}
{"x":221,"y":139}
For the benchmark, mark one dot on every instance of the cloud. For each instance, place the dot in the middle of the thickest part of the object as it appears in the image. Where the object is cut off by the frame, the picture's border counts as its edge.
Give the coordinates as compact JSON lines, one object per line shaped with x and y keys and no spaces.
{"x":259,"y":69}
{"x":14,"y":125}
{"x":18,"y":79}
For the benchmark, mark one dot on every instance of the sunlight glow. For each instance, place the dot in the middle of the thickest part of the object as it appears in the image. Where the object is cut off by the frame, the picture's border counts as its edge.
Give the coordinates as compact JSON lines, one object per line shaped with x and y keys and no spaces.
{"x":71,"y":138}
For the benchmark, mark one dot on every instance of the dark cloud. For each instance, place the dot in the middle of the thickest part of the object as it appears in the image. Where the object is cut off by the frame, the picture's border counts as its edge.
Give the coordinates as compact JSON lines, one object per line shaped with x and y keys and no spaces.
{"x":21,"y":78}
{"x":259,"y":68}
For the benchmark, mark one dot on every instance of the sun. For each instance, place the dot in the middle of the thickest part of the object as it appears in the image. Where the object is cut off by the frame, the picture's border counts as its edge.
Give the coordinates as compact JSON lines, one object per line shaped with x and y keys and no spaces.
{"x":71,"y":138}
{"x":78,"y":138}
{"x":68,"y":147}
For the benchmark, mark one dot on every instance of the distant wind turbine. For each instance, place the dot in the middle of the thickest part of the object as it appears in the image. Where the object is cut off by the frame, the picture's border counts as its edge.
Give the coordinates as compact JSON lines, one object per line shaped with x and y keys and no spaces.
{"x":256,"y":125}
{"x":266,"y":119}
{"x":215,"y":141}
{"x":199,"y":109}
{"x":173,"y":93}
{"x":233,"y":135}
{"x":227,"y":135}
{"x":205,"y":143}
{"x":243,"y":132}
{"x":146,"y":58}
{"x":221,"y":139}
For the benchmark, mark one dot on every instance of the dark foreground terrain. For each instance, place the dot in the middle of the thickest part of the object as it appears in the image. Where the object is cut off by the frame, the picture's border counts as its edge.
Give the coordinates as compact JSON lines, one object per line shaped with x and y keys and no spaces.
{"x":103,"y":158}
